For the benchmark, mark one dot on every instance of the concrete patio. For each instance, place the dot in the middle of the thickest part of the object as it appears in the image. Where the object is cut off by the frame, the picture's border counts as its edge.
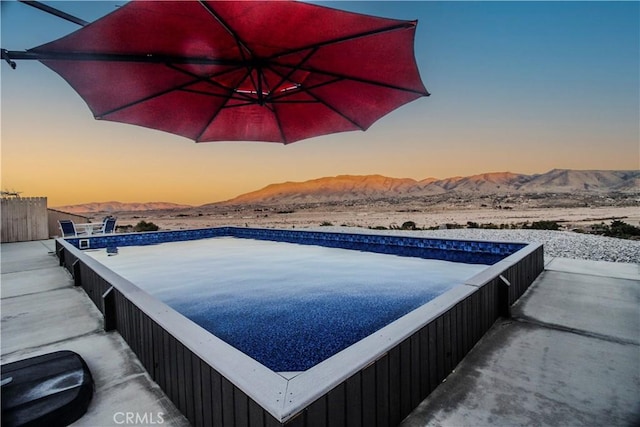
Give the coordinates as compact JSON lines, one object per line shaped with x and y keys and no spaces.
{"x":43,"y":312}
{"x":570,"y":355}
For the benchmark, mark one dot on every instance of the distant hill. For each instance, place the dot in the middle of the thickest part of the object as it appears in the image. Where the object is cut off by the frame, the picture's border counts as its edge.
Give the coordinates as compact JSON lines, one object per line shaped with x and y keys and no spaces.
{"x":106,"y":207}
{"x":564,"y":181}
{"x":342,"y":187}
{"x":351,"y":187}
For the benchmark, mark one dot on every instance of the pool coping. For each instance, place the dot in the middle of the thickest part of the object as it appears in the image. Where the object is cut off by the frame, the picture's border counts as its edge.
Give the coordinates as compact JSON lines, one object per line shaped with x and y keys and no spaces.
{"x":284,"y":397}
{"x":309,"y":385}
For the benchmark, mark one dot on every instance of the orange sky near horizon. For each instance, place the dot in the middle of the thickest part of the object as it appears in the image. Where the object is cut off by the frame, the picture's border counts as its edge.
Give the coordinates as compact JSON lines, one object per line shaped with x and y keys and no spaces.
{"x":506,"y":96}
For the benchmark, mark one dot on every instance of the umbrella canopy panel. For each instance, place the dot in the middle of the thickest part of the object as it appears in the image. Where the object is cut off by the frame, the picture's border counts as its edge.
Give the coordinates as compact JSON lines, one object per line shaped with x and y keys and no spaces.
{"x":276,"y":71}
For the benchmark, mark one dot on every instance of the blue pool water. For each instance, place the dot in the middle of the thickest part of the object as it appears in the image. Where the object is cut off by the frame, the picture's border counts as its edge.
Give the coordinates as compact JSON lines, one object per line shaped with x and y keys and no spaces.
{"x":286,"y":305}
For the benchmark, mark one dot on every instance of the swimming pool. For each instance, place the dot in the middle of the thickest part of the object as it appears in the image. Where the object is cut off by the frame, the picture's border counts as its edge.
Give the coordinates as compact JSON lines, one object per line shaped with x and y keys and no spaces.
{"x":288,"y":306}
{"x":377,"y":380}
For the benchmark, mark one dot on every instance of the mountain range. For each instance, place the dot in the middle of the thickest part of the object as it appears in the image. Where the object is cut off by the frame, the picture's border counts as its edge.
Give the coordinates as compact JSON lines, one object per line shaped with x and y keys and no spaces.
{"x":350,"y":187}
{"x":376,"y":187}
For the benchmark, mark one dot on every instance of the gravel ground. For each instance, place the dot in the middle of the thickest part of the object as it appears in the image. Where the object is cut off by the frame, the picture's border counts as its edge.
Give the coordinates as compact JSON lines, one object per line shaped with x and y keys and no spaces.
{"x":564,"y":244}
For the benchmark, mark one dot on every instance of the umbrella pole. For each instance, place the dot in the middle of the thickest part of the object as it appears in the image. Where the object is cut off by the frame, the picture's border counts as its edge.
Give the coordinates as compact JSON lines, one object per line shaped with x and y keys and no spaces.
{"x":55,"y":12}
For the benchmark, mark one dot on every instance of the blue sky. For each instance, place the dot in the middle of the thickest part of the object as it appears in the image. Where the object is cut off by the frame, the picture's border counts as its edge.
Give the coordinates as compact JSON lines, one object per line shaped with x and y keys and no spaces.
{"x":516,"y":86}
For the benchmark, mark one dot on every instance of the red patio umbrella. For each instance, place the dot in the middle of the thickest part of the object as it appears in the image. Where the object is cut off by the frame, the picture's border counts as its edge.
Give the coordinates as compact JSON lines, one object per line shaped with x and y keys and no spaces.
{"x":276,"y":71}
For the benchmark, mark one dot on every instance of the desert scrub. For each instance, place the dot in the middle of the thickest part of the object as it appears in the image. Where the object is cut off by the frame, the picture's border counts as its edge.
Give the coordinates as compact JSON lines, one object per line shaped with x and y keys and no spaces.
{"x":145,"y":226}
{"x":618,"y":229}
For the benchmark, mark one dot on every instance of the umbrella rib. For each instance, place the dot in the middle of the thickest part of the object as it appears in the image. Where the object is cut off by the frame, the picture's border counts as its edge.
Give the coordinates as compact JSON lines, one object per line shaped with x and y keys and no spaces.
{"x":90,"y":56}
{"x":217,"y":95}
{"x":273,"y":108}
{"x":163,"y":92}
{"x":241,"y":44}
{"x":295,"y":68}
{"x":399,"y":26}
{"x":338,"y":112}
{"x":215,"y":114}
{"x":292,"y":92}
{"x":356,"y":79}
{"x":316,"y":46}
{"x":120,"y":57}
{"x":139,"y":101}
{"x":213,"y":117}
{"x":256,"y":85}
{"x":274,"y":111}
{"x":212,"y":82}
{"x":326,"y":104}
{"x":60,"y":14}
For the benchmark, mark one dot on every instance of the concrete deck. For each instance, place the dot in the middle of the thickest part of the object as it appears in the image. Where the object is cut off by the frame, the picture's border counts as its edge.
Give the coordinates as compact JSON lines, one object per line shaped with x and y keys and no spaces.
{"x":569,"y":356}
{"x":43,"y":312}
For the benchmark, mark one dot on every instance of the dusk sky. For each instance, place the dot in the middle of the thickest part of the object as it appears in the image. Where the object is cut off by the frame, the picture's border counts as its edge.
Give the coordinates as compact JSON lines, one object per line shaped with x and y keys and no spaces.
{"x":524,"y":87}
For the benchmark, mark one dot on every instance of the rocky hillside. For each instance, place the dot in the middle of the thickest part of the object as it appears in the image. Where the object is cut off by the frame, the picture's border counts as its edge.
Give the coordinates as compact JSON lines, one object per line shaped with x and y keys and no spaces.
{"x":343,"y":187}
{"x":349,"y":187}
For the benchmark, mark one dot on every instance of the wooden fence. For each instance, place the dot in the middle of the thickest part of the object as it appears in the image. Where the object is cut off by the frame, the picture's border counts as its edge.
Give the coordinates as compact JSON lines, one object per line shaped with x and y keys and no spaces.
{"x":24,"y":219}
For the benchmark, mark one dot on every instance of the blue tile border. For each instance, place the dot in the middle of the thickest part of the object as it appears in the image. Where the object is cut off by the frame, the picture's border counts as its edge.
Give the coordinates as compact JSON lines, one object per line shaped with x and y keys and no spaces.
{"x":465,"y":251}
